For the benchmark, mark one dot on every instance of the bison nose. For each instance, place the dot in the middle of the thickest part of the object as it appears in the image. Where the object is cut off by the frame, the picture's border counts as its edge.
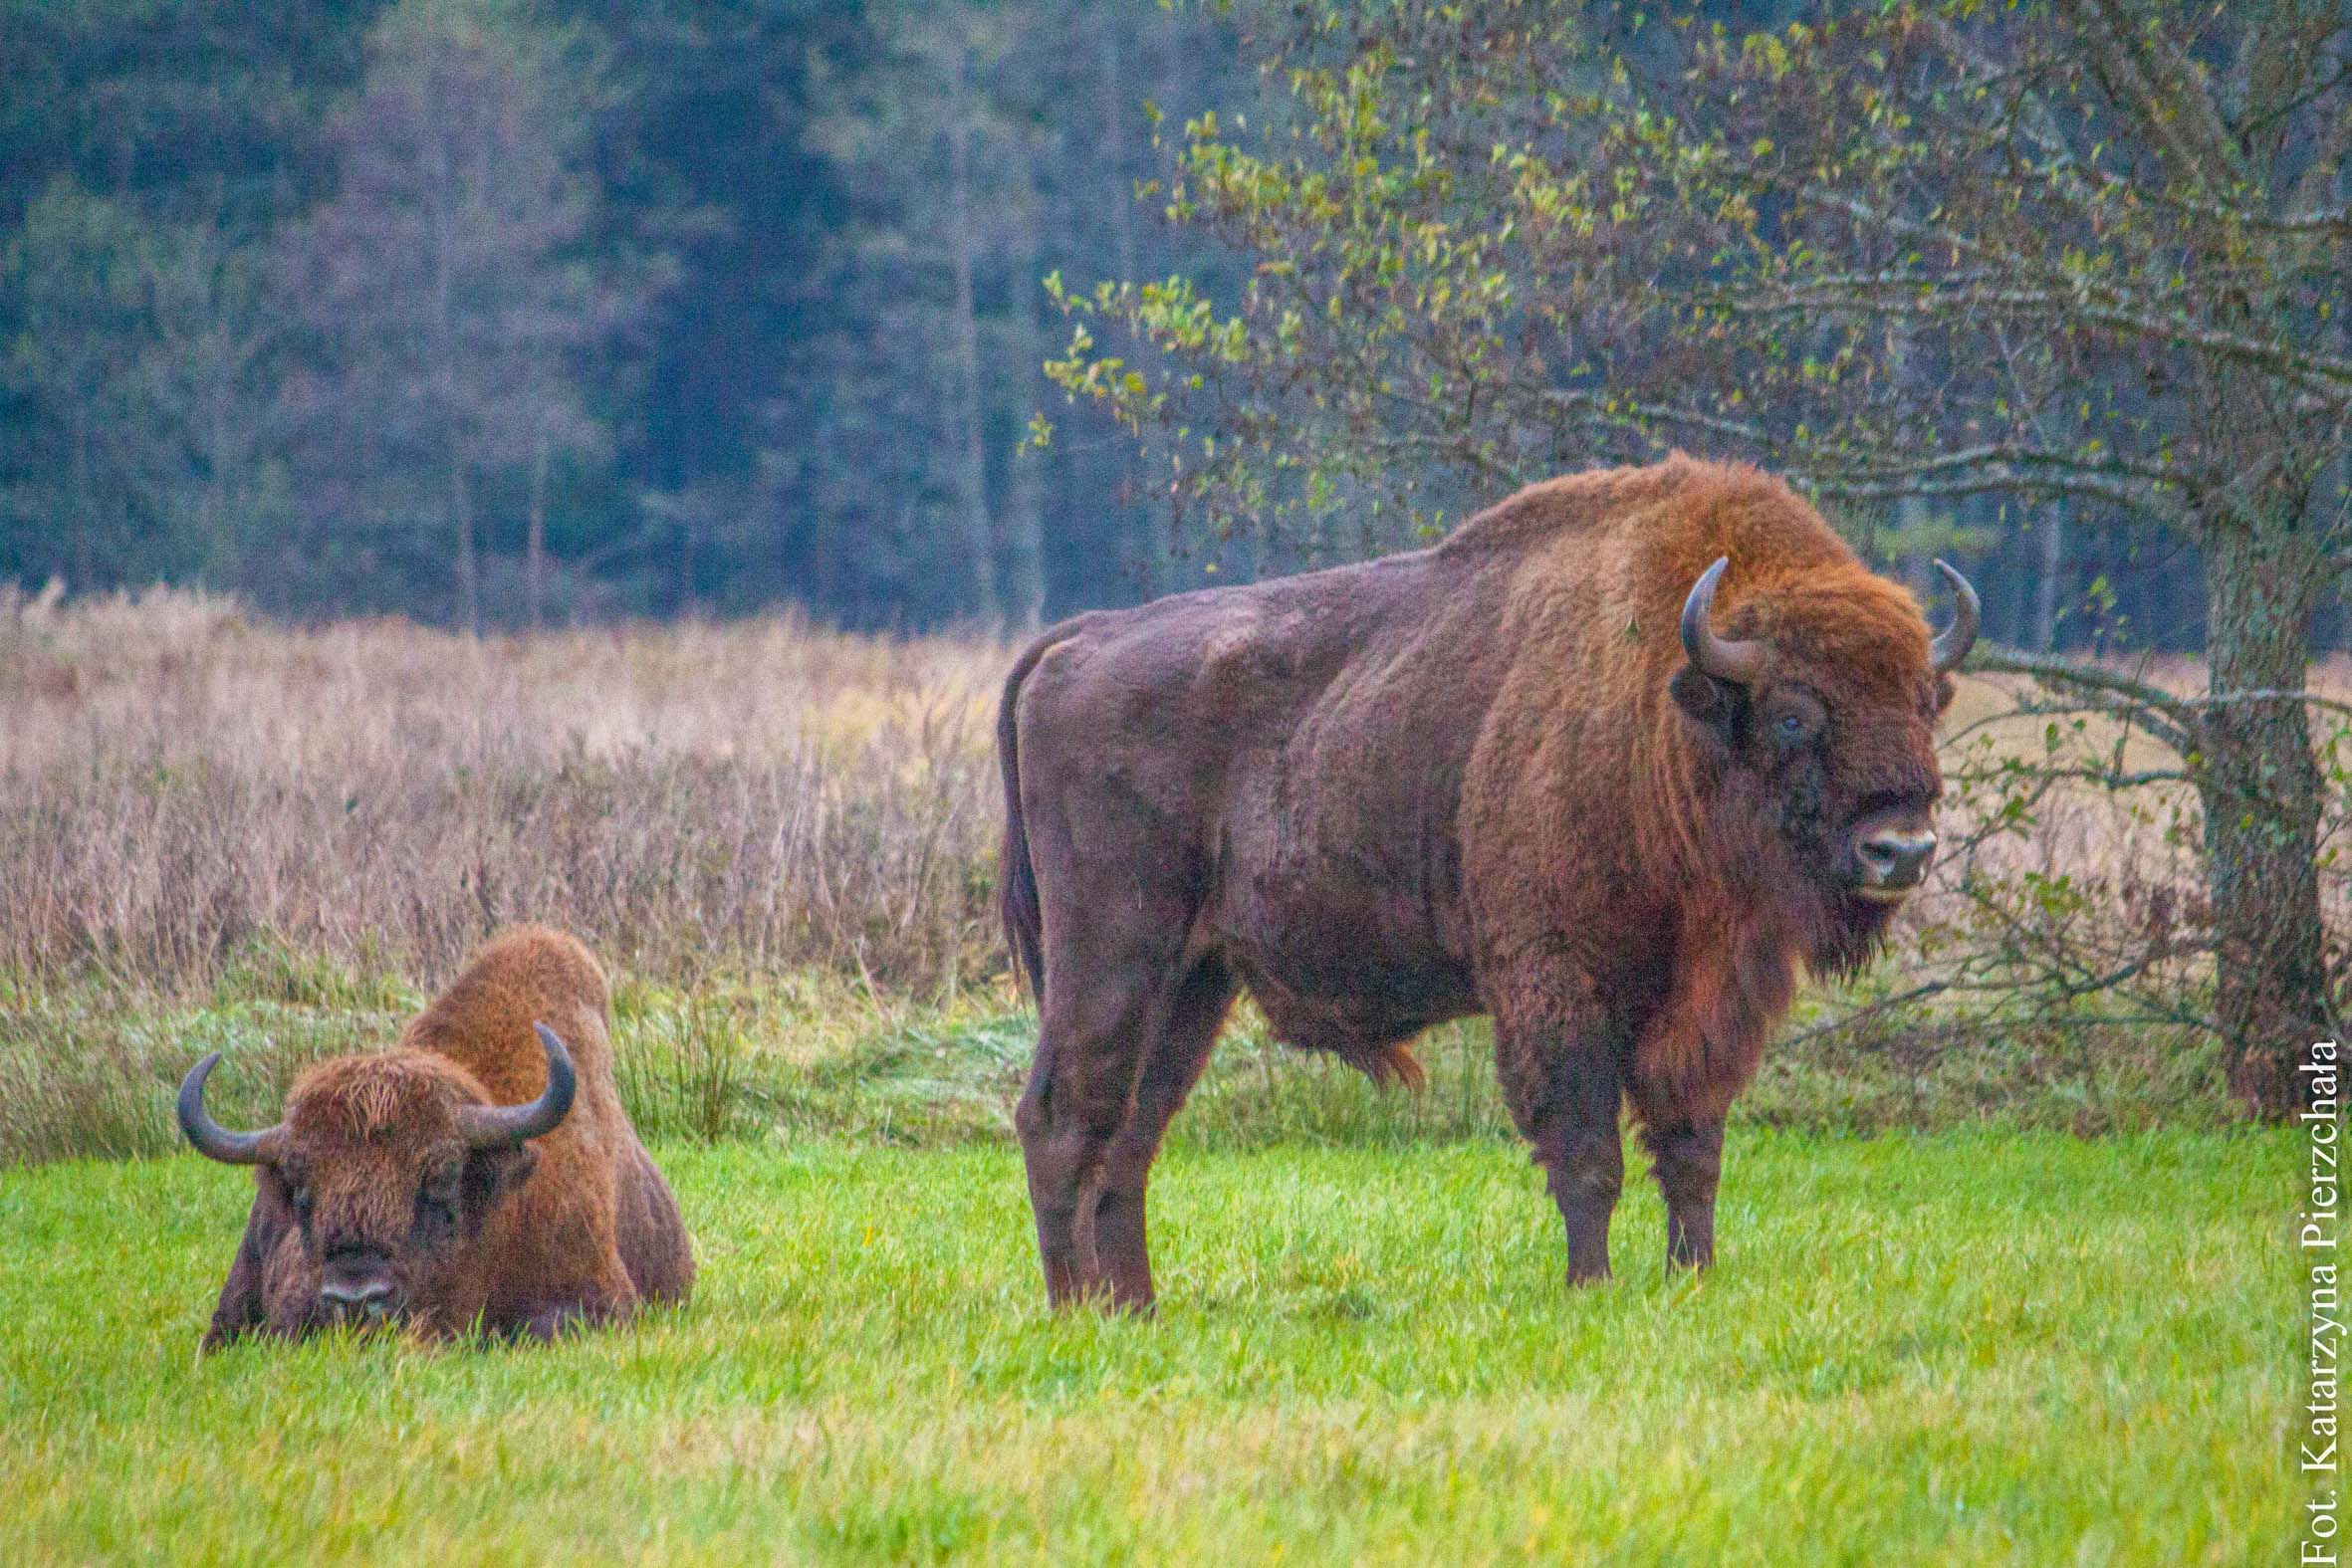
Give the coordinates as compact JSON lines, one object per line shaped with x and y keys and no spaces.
{"x":1895,"y":860}
{"x":356,"y":1284}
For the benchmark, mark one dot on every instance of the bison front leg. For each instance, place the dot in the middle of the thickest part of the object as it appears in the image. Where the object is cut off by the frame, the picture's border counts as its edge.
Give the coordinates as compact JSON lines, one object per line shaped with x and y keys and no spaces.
{"x":549,"y":1323}
{"x":559,"y":1313}
{"x":1583,"y":1163}
{"x":1688,"y":1161}
{"x":245,"y":1297}
{"x":1560,"y":1077}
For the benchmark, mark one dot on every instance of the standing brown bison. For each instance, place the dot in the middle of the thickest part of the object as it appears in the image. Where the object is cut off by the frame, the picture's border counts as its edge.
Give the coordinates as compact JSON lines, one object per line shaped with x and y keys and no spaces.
{"x":480,"y":1172}
{"x":1609,"y":763}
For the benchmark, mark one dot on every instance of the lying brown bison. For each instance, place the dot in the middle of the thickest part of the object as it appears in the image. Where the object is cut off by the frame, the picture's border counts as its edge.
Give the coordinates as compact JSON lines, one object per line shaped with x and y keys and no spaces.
{"x":482,"y":1172}
{"x":1609,"y":763}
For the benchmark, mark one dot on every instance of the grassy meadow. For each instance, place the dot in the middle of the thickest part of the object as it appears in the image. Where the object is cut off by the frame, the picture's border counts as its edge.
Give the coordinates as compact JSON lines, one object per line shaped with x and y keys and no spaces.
{"x":1988,"y":1292}
{"x":1964,"y":1347}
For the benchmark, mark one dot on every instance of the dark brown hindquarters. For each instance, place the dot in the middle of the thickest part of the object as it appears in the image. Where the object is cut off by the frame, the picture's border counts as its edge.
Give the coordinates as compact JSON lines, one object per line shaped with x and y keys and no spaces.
{"x":651,"y":1234}
{"x":1127,"y":1019}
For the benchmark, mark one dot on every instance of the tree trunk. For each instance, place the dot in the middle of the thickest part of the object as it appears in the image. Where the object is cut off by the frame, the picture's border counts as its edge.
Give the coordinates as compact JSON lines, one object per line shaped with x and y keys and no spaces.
{"x":469,"y":589}
{"x":1157,"y":558}
{"x":535,"y":546}
{"x":1024,"y":544}
{"x":222,"y":562}
{"x":82,"y":563}
{"x":2054,"y":563}
{"x":2260,"y":793}
{"x":1025,"y":502}
{"x":972,"y":465}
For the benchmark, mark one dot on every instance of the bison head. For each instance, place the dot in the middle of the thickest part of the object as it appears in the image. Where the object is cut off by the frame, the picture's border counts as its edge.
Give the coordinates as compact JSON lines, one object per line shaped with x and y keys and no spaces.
{"x":388,"y":1166}
{"x":1823,"y":719}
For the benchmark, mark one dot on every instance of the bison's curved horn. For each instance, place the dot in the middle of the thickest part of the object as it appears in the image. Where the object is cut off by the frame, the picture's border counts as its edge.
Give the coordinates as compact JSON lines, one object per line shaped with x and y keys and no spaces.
{"x":1953,"y":646}
{"x":210,"y":1138}
{"x":504,"y":1126}
{"x":1725,"y":658}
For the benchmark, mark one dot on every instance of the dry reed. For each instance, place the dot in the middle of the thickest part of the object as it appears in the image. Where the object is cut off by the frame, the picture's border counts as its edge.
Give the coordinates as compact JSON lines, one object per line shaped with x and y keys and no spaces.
{"x":179,"y":783}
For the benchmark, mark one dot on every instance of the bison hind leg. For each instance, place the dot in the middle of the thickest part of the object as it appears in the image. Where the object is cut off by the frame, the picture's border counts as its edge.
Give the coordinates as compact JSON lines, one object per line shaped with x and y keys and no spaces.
{"x":557,"y":1316}
{"x":1092,"y":1043}
{"x":651,"y":1234}
{"x":1171,"y":1066}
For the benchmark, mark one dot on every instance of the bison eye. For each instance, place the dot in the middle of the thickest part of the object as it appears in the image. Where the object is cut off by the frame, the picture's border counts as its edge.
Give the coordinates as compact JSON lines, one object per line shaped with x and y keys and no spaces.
{"x":435,"y":1209}
{"x":1792,"y":728}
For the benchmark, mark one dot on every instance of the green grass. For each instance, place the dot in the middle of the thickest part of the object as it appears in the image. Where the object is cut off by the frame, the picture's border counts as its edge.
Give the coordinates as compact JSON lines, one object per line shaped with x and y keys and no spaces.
{"x":1960,"y":1347}
{"x":89,"y":1064}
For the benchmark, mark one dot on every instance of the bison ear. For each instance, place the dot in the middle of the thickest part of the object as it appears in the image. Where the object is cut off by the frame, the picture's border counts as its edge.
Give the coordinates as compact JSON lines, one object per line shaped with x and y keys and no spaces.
{"x":1945,"y":689}
{"x":491,"y":1174}
{"x":1712,"y":705}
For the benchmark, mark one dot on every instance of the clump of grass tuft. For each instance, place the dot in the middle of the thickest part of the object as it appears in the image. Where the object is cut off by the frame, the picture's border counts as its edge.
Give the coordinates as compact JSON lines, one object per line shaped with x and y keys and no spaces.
{"x":87,"y":1072}
{"x":1918,"y":1067}
{"x":71,"y":1091}
{"x":1258,"y":1093}
{"x":88,"y":1069}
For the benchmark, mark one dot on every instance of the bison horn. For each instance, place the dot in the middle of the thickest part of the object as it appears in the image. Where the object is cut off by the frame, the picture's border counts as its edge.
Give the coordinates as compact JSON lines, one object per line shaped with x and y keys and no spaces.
{"x":210,"y":1138}
{"x":1953,"y":646}
{"x":504,"y":1126}
{"x":1726,"y":659}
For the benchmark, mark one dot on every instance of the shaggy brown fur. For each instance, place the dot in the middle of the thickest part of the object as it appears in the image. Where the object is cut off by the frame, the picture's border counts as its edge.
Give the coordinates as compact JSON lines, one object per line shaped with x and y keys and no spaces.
{"x":370,"y":1172}
{"x":1477,"y":778}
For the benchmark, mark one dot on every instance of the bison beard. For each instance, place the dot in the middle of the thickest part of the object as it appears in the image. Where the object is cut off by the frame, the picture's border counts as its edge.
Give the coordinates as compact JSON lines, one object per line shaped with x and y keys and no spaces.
{"x":479,"y":1174}
{"x":1537,"y":772}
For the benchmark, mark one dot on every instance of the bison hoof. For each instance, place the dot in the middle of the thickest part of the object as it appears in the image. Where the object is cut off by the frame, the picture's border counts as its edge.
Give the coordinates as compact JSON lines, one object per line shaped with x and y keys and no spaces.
{"x":1105,"y":1298}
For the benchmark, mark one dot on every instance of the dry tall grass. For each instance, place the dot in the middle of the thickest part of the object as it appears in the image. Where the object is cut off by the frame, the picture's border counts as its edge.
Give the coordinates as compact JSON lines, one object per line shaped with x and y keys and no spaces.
{"x":221,"y":833}
{"x":178,"y":782}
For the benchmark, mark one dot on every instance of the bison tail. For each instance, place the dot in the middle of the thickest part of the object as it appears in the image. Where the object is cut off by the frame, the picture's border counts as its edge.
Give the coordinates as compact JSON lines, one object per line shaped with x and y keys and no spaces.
{"x":1017,"y":877}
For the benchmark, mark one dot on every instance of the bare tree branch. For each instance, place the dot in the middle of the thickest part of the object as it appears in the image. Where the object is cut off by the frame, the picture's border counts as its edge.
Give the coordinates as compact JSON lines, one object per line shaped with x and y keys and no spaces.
{"x":2170,"y":718}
